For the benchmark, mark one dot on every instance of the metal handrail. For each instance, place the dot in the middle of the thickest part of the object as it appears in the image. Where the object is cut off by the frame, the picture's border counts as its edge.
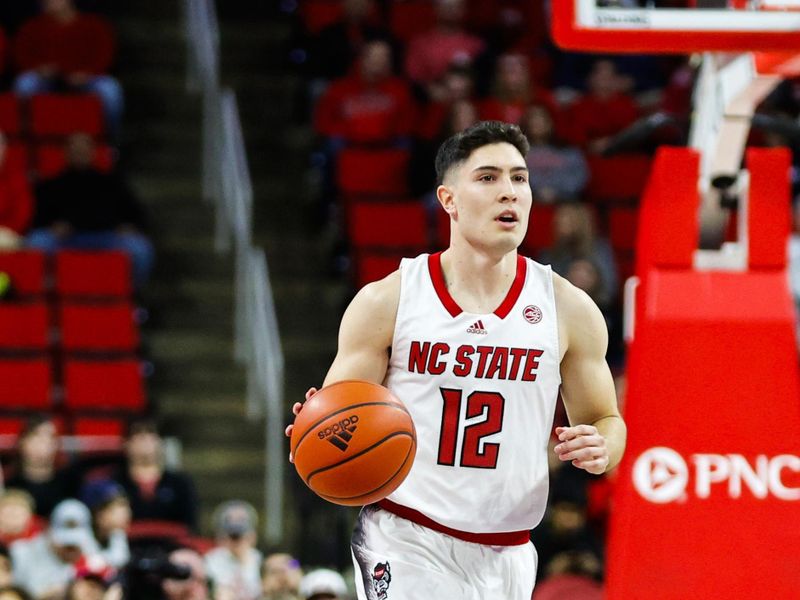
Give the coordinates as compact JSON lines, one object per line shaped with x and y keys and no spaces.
{"x":228,"y":186}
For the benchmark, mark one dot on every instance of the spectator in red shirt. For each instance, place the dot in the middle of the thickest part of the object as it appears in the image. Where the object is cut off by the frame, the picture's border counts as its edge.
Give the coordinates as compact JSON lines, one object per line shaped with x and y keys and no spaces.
{"x":64,"y":48}
{"x":371,"y":106}
{"x":16,"y":201}
{"x":513,"y":91}
{"x":430,"y":54}
{"x":456,"y":86}
{"x":604,"y":111}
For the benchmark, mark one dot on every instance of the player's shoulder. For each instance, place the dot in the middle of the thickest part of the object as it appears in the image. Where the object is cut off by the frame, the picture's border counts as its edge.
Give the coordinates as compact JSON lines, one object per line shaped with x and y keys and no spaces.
{"x":576,"y":310}
{"x":381,"y":296}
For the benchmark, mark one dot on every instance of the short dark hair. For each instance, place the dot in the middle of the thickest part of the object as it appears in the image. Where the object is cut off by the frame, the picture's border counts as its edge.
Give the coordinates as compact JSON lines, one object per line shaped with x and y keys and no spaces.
{"x":458,"y":148}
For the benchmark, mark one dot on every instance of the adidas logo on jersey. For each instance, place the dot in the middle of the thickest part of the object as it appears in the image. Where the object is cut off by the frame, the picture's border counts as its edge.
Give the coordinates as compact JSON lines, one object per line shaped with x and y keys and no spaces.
{"x":477,"y":327}
{"x":339,"y":434}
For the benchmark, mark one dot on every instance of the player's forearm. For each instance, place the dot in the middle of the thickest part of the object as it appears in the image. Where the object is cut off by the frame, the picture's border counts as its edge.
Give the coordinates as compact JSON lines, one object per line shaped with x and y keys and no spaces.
{"x":613,"y":429}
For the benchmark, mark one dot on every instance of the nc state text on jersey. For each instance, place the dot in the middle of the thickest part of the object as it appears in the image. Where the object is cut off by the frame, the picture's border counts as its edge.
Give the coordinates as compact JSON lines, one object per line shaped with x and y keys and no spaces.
{"x":482,"y":362}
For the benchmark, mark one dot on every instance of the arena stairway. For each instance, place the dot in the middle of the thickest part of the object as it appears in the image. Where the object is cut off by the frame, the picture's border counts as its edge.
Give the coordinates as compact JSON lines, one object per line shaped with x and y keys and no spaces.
{"x":198,"y":388}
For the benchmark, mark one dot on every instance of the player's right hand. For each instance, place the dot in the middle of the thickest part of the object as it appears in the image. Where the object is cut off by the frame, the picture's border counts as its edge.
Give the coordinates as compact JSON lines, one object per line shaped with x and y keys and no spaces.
{"x":296,"y":408}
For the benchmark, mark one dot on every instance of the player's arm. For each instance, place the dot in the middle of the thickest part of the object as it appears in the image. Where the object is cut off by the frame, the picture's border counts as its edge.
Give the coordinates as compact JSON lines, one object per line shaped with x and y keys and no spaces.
{"x":366,"y":331}
{"x":365,"y":336}
{"x":595,"y":439}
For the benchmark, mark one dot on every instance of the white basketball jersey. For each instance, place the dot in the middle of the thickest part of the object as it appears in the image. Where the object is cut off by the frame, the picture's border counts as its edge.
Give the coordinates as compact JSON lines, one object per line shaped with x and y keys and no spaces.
{"x":482,"y":391}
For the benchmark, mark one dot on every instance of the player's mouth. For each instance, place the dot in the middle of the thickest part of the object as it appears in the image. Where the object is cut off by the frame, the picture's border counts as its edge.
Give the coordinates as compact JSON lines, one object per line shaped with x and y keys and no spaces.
{"x":508,"y":219}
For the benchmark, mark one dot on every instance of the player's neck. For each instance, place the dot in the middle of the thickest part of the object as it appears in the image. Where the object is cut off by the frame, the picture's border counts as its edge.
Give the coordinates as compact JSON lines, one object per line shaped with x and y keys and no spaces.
{"x":478,"y":282}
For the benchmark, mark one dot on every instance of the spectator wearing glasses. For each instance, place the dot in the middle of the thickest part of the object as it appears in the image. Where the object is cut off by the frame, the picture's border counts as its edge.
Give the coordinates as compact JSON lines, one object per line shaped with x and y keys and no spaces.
{"x":233,"y":566}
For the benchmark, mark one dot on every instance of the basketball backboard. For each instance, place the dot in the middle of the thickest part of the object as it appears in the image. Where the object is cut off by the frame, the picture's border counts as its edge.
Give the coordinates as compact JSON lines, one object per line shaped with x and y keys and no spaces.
{"x":670,"y":26}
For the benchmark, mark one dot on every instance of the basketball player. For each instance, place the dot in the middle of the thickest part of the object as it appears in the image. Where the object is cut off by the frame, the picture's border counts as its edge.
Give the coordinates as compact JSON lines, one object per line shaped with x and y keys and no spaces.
{"x":476,"y":341}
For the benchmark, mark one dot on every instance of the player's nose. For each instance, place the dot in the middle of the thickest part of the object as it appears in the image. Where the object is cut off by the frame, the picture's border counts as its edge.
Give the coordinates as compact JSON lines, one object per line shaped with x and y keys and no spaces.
{"x":508,"y":192}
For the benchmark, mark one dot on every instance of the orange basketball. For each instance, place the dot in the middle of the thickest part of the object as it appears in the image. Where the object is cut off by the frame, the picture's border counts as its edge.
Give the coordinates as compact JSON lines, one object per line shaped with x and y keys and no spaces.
{"x":353,"y":443}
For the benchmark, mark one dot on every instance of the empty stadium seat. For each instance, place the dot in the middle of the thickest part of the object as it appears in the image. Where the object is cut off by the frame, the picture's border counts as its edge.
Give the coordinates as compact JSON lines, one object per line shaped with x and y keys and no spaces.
{"x":57,"y":115}
{"x":93,"y":274}
{"x":17,"y":157}
{"x":26,"y":384}
{"x":51,"y":159}
{"x":104,"y":385}
{"x":98,"y":328}
{"x":10,"y":120}
{"x":26,"y":268}
{"x":540,"y":229}
{"x":410,"y":18}
{"x":373,"y":172}
{"x":24,"y":326}
{"x":318,"y":14}
{"x":387,"y":224}
{"x":617,"y":178}
{"x":93,"y":427}
{"x":372,"y":266}
{"x":622,"y":227}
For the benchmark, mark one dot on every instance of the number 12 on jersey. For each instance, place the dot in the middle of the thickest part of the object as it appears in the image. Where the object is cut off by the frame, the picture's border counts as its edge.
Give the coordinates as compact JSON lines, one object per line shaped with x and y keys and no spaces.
{"x":472,"y":454}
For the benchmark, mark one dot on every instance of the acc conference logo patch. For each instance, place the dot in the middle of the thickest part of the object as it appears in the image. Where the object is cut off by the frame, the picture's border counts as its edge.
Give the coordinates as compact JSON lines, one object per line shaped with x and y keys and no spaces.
{"x":532,"y":314}
{"x":660,"y":475}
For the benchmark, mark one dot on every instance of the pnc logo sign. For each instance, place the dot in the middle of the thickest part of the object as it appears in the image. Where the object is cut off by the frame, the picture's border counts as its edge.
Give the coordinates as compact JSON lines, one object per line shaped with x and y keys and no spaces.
{"x":661,"y":475}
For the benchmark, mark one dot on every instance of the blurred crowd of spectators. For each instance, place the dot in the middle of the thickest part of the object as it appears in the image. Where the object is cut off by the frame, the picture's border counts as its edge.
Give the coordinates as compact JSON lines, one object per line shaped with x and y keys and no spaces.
{"x":108,"y":527}
{"x":54,"y":47}
{"x":378,"y":77}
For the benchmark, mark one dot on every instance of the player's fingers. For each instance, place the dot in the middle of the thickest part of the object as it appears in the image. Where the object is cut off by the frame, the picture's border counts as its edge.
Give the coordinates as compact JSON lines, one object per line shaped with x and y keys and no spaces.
{"x":288,"y":430}
{"x":582,"y":441}
{"x":583,"y":454}
{"x":569,"y":433}
{"x":311,"y":391}
{"x":291,"y":457}
{"x":296,"y":408}
{"x":596,"y":466}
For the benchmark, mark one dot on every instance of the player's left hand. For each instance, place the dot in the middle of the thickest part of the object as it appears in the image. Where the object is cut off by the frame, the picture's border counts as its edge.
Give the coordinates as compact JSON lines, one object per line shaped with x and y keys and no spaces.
{"x":584,"y":446}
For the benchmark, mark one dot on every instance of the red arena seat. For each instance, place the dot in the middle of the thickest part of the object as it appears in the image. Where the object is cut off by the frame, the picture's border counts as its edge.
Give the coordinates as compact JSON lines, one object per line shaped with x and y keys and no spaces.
{"x":371,"y":266}
{"x":540,"y":229}
{"x":56,"y":115}
{"x":93,"y":274}
{"x":387,"y":224}
{"x":24,"y":326}
{"x":51,"y":159}
{"x":106,"y":385}
{"x":410,"y":18}
{"x":87,"y":327}
{"x":318,"y":14}
{"x":10,"y":120}
{"x":622,"y":227}
{"x":26,"y":269}
{"x":373,"y":172}
{"x":26,"y":384}
{"x":618,"y":178}
{"x":93,"y":427}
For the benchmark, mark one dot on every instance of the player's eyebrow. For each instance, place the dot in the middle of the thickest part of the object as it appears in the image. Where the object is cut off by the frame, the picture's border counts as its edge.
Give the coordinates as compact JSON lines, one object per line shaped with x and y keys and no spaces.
{"x":498,"y":169}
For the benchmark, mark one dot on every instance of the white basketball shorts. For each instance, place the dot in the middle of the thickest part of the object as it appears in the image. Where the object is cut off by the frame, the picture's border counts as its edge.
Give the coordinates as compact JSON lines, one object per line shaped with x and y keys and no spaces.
{"x":396,"y":559}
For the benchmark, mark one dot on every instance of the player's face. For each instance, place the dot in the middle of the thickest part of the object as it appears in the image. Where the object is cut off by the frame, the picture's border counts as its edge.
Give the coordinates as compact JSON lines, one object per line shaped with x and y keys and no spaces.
{"x":489,"y":198}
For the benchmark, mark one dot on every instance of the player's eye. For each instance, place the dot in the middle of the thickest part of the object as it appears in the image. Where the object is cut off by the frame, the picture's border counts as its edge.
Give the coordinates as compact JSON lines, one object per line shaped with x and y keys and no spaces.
{"x":520,"y":178}
{"x":486,"y":177}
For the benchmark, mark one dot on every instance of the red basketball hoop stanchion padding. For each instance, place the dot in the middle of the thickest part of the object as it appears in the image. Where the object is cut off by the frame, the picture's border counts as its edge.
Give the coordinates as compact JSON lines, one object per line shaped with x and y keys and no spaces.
{"x":707,"y":503}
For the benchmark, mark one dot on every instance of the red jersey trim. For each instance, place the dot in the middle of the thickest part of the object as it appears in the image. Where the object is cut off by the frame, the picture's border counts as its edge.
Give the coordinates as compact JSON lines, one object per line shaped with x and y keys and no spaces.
{"x":437,"y":277}
{"x":439,"y":285}
{"x":509,"y":538}
{"x":515,"y":290}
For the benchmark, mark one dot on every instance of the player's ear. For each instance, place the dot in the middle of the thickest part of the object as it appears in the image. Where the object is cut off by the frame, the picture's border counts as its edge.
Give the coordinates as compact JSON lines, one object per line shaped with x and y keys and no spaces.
{"x":444,"y":194}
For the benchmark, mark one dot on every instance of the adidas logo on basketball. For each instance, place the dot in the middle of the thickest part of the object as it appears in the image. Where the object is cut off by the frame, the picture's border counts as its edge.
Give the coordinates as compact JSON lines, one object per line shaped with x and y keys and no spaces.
{"x":339,"y":434}
{"x":477,"y":327}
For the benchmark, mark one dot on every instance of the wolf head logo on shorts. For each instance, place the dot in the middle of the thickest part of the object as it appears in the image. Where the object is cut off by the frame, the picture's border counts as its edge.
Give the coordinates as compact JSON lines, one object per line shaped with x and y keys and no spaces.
{"x":381,"y":578}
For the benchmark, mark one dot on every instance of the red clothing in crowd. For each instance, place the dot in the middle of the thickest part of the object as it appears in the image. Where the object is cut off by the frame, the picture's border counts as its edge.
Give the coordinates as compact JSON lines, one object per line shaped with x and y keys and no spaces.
{"x":512,"y":111}
{"x":16,"y":200}
{"x":3,"y":44}
{"x":84,"y":45}
{"x":365,"y":113}
{"x":592,"y":118}
{"x":431,"y":53}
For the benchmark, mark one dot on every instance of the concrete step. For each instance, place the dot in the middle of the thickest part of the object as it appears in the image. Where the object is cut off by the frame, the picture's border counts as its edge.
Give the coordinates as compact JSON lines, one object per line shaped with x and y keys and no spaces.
{"x":176,"y":344}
